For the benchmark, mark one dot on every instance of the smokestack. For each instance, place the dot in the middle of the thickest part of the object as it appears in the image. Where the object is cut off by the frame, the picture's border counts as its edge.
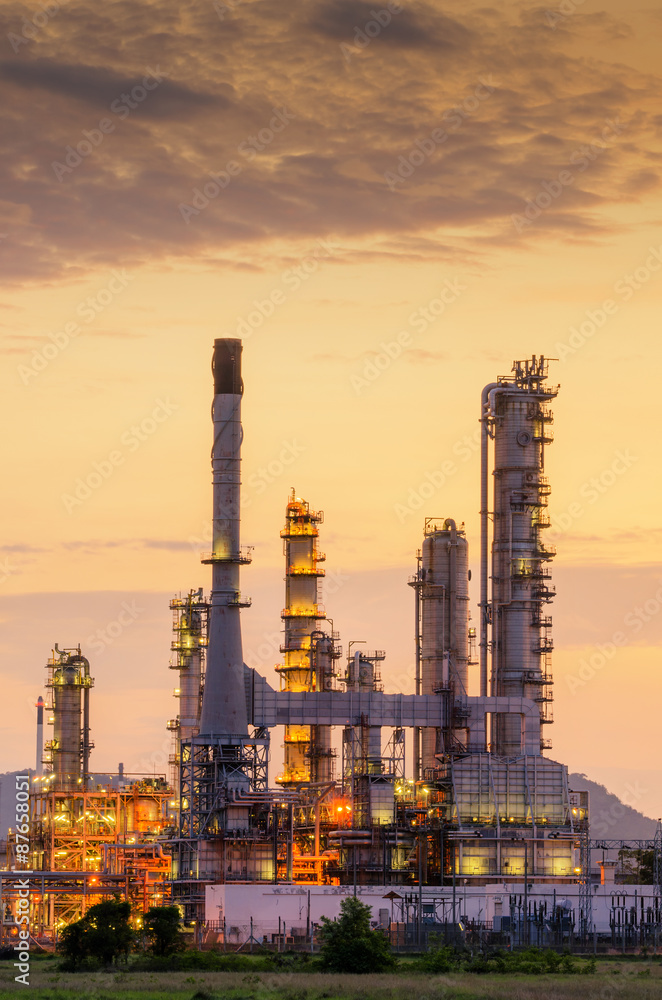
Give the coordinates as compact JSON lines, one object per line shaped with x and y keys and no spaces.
{"x":40,"y":736}
{"x":224,"y":701}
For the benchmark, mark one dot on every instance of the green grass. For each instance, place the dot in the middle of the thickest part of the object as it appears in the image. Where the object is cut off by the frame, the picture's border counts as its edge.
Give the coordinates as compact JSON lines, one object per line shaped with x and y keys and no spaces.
{"x":612,"y":981}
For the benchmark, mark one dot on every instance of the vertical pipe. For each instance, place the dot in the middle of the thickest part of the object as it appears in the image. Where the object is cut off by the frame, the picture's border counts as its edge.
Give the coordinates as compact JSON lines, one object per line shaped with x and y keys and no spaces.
{"x":417,"y":636}
{"x":86,"y":738}
{"x":484,"y":551}
{"x":449,"y":524}
{"x":290,"y":843}
{"x":40,"y":736}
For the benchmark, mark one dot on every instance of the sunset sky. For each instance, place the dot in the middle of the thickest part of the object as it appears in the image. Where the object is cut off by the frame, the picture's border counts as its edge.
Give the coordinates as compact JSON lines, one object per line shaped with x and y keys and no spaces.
{"x":389,"y":204}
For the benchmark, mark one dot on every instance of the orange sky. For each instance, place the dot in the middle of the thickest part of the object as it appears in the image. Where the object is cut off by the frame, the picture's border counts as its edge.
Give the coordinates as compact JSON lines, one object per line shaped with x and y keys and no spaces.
{"x":399,"y":219}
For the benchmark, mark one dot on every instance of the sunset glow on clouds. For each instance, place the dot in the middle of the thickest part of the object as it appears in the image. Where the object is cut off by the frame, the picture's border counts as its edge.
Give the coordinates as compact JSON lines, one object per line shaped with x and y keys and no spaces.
{"x":387,"y":218}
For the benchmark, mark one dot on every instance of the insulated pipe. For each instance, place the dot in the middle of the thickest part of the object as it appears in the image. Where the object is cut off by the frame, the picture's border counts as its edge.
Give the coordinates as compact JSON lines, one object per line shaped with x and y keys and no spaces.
{"x":40,"y":736}
{"x":484,"y":517}
{"x":86,"y":735}
{"x":449,"y":524}
{"x":224,"y":701}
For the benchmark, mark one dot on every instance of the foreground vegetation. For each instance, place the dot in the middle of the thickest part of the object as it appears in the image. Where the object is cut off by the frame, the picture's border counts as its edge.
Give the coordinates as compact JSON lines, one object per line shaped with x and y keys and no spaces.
{"x":612,"y":981}
{"x":103,"y":957}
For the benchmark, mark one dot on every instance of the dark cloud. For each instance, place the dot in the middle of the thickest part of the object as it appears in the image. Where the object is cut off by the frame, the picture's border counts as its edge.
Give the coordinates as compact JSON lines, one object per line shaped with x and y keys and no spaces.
{"x":100,"y":87}
{"x":399,"y":25}
{"x":303,"y":140}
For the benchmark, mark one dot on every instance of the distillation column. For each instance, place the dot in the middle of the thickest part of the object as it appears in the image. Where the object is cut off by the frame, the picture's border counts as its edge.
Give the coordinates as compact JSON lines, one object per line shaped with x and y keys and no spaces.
{"x":308,"y":660}
{"x":70,"y":682}
{"x":188,"y":645}
{"x":517,"y":416}
{"x":443,"y":594}
{"x":370,"y":789}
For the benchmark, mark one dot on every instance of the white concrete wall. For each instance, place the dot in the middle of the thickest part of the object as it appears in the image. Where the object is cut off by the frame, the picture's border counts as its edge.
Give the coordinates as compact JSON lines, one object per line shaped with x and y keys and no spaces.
{"x":266,"y":903}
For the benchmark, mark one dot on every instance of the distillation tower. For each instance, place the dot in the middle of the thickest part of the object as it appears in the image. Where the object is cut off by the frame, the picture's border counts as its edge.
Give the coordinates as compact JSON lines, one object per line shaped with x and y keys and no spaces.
{"x":308,"y":663}
{"x":506,"y":809}
{"x":443,"y":636}
{"x":68,"y":753}
{"x":516,"y":415}
{"x":188,"y":644}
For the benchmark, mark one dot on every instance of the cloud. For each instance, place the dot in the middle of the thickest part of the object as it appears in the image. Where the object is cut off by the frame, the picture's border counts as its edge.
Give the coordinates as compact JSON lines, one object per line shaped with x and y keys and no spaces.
{"x":416,"y":28}
{"x":22,"y":547}
{"x":417,"y":356}
{"x":100,"y":87}
{"x":322,"y":173}
{"x":94,"y":545}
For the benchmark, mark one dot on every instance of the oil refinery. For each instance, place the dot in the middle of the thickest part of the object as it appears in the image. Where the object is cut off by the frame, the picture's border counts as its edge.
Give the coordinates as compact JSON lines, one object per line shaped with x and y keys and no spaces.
{"x":437,"y":806}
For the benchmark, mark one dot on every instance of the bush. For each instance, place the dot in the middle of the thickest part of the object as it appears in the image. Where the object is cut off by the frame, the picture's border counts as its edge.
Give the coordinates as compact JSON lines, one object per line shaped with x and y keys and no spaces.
{"x":103,"y":935}
{"x":163,"y":928}
{"x":439,"y":960}
{"x":350,"y":944}
{"x":198,"y":961}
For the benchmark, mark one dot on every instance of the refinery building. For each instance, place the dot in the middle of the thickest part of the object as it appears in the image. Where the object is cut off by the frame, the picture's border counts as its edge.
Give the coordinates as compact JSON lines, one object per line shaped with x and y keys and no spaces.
{"x":438,"y":807}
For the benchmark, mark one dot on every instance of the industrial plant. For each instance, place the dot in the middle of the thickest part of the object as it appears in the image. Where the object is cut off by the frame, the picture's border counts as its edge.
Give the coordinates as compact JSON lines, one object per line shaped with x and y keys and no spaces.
{"x":439,"y":807}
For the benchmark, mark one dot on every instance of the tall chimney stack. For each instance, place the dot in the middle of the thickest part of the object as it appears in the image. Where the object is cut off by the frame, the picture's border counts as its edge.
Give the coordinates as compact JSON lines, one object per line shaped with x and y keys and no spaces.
{"x":224,"y":701}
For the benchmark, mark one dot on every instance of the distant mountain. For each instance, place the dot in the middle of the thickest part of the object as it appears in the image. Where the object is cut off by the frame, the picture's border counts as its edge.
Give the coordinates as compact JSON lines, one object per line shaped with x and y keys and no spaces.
{"x":611,"y":818}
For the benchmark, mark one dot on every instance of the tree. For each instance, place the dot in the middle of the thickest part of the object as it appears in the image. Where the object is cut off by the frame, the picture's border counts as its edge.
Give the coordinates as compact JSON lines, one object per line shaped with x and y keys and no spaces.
{"x":637,"y":866}
{"x":73,"y":944}
{"x":163,"y":928}
{"x":349,"y":944}
{"x":103,"y":934}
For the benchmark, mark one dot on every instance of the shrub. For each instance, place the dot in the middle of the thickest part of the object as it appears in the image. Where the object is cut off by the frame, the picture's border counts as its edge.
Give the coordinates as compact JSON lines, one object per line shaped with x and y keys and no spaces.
{"x":350,"y":944}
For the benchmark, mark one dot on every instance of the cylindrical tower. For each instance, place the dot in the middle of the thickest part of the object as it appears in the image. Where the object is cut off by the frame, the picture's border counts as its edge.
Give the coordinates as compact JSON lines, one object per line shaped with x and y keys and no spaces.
{"x":519,"y":419}
{"x":443,"y":583}
{"x":224,"y":702}
{"x":363,"y":764}
{"x":323,"y":656}
{"x":70,"y":681}
{"x":188,"y":644}
{"x":304,"y":659}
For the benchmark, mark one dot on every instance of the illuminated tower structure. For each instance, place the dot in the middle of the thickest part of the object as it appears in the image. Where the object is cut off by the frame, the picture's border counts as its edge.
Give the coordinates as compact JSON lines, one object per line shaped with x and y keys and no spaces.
{"x":223,"y":764}
{"x":309,"y":653}
{"x":69,"y":751}
{"x":443,"y":635}
{"x":517,"y":416}
{"x":188,"y":644}
{"x":77,"y":819}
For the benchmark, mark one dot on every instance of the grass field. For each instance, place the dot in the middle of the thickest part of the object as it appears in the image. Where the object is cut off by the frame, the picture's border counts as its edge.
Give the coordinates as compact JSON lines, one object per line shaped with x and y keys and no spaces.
{"x":612,"y":981}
